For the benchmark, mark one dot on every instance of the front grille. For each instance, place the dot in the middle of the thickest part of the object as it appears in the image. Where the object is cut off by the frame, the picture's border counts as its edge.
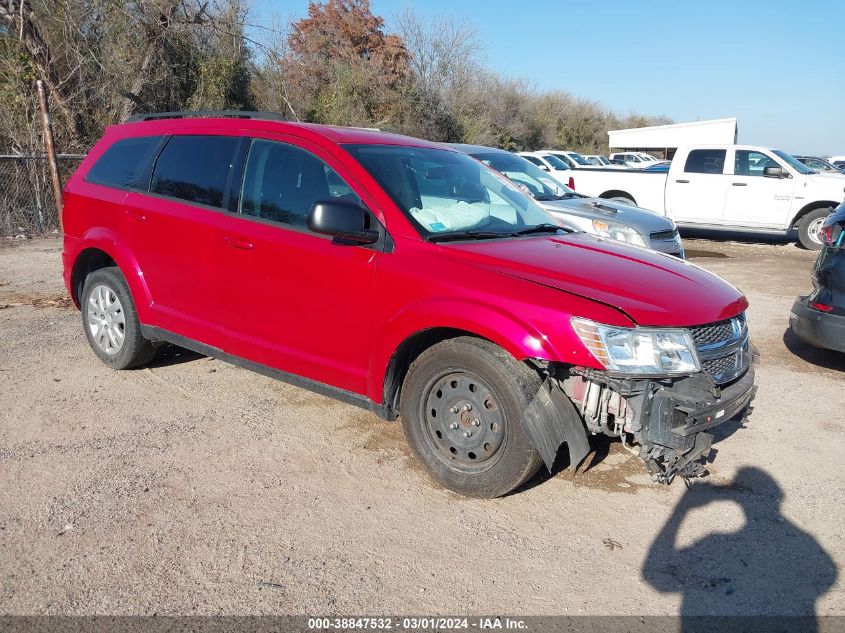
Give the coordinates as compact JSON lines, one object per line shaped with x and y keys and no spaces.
{"x":723,"y":348}
{"x":713,"y":333}
{"x":659,"y":236}
{"x":719,"y":366}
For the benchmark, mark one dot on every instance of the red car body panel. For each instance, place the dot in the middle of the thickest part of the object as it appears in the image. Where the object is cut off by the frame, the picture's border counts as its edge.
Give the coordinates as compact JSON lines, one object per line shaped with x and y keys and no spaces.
{"x":297,"y":302}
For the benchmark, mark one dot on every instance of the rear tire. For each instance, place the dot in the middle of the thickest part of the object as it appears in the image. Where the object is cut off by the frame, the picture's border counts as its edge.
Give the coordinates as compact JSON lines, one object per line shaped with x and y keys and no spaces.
{"x":623,"y":200}
{"x":808,"y":229}
{"x":110,"y":321}
{"x":462,"y":407}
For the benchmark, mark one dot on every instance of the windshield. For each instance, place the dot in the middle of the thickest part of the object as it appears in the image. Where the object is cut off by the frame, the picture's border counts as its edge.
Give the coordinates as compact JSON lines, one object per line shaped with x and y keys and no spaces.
{"x":792,"y":162}
{"x":525,"y":175}
{"x":443,"y":191}
{"x":555,"y":162}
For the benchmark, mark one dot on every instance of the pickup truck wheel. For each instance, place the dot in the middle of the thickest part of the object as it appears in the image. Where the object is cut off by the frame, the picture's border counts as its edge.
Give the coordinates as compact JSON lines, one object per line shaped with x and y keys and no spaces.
{"x":623,"y":200}
{"x":111,"y":322}
{"x":808,"y":229}
{"x":462,"y":406}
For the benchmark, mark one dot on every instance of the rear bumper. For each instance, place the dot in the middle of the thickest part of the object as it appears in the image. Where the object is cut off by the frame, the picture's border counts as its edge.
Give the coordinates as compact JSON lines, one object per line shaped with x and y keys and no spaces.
{"x":817,"y":328}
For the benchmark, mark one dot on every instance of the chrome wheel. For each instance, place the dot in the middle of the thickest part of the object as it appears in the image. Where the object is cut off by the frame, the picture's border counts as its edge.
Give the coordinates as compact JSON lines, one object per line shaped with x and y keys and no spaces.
{"x":464,"y":421}
{"x":106,"y":319}
{"x":813,"y":230}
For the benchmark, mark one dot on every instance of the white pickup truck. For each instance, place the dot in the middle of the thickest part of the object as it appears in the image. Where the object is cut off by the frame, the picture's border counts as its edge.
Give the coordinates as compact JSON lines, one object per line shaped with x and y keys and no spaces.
{"x":728,"y":187}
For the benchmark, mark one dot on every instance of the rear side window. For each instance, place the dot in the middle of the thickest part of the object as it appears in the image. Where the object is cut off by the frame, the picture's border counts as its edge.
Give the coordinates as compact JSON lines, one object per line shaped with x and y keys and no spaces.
{"x":705,"y":161}
{"x":195,"y":168}
{"x":124,"y":163}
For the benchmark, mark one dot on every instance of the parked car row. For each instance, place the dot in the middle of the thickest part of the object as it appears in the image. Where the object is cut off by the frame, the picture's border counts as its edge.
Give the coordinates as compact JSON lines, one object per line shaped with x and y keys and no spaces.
{"x":410,"y":279}
{"x":820,"y":164}
{"x":837,"y":161}
{"x":727,"y":187}
{"x":603,"y":218}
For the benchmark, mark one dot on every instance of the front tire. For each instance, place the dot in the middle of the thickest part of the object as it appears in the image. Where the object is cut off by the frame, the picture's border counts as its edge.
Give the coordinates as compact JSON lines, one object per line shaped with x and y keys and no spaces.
{"x":808,"y":229}
{"x":110,"y":321}
{"x":462,"y":407}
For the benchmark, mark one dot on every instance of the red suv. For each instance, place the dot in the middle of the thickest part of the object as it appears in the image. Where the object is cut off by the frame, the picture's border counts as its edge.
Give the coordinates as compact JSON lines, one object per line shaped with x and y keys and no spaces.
{"x":404,"y":277}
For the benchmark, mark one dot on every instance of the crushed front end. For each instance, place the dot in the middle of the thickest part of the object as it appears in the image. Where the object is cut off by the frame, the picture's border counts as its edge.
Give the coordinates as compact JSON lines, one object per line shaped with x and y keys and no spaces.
{"x":664,"y":420}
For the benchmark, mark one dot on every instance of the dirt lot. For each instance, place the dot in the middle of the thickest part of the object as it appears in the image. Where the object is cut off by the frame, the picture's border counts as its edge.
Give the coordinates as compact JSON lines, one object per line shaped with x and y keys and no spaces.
{"x":194,"y":487}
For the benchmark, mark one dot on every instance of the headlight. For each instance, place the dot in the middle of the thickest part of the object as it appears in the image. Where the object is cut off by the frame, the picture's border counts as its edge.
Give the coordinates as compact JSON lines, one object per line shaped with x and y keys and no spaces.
{"x":618,"y":232}
{"x":636,"y":351}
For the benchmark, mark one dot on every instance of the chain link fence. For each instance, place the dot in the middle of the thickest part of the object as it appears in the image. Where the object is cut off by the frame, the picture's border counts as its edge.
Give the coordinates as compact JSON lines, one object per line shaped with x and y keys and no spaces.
{"x":26,"y":196}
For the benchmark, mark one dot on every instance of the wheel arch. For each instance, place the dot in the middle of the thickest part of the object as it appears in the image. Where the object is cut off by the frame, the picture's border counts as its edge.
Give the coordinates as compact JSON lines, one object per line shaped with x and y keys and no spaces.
{"x":403,"y":357}
{"x":100,"y":248}
{"x":86,"y":262}
{"x":809,"y":207}
{"x":410,"y":333}
{"x":613,"y":193}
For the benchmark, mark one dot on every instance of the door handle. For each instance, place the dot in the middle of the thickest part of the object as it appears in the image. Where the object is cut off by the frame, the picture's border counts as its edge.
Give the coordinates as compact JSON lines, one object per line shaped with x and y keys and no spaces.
{"x":236,"y":242}
{"x":136,"y":215}
{"x":683,"y":182}
{"x":739,"y":184}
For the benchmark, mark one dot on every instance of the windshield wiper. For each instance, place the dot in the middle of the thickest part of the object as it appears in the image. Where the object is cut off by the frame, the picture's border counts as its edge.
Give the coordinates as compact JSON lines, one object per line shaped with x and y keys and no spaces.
{"x":542,"y":228}
{"x":453,"y":236}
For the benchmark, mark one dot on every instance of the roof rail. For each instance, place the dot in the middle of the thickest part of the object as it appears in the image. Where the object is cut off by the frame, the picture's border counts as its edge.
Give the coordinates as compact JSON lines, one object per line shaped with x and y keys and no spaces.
{"x":213,"y":114}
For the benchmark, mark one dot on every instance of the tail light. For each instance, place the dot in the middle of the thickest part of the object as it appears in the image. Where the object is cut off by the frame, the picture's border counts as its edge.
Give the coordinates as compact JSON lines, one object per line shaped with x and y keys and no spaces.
{"x":826,"y":234}
{"x":832,"y":234}
{"x":572,"y":183}
{"x":815,"y":305}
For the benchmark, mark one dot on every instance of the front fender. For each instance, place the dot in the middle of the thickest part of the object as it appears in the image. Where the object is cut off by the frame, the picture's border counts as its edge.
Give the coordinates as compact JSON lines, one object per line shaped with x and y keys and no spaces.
{"x":494,"y":323}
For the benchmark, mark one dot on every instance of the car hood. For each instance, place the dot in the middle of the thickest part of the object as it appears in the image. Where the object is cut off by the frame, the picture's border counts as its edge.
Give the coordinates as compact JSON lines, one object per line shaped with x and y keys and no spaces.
{"x":651,"y":288}
{"x":644,"y":221}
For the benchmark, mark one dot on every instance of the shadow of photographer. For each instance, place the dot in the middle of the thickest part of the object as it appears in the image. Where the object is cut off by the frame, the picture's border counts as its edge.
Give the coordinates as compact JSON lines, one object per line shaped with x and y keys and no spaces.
{"x":769,"y":567}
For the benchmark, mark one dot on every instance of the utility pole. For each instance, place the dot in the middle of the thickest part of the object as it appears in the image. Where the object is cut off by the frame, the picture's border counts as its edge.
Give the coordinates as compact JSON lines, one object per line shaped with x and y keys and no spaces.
{"x":50,"y":149}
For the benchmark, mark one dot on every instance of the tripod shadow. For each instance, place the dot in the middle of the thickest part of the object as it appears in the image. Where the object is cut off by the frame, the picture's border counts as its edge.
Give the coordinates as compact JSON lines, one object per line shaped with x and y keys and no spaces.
{"x":769,"y":567}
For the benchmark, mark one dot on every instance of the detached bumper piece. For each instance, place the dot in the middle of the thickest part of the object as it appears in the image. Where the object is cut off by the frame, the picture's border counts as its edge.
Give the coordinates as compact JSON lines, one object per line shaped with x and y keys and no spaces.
{"x":820,"y":329}
{"x":675,"y":418}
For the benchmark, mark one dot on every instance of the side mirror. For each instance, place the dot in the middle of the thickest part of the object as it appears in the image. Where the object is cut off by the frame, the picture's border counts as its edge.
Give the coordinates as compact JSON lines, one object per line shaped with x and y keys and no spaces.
{"x":348,"y":222}
{"x":774,"y":172}
{"x":543,"y":166}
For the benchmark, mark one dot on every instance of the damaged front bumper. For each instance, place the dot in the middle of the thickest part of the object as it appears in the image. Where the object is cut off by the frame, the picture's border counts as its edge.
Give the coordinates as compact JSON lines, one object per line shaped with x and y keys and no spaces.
{"x":663,"y":421}
{"x":674,"y":421}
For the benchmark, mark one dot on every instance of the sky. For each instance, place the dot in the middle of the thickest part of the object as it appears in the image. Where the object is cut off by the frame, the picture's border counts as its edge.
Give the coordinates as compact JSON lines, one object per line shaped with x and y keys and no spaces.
{"x":777,"y":65}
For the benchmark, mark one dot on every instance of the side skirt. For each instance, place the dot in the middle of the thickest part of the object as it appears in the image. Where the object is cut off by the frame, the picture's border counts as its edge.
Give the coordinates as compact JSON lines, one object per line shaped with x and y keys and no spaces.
{"x":157,"y":334}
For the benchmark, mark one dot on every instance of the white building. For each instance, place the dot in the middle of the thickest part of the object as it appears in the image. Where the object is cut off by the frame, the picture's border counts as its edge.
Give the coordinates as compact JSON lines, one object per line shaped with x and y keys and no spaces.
{"x":665,"y":139}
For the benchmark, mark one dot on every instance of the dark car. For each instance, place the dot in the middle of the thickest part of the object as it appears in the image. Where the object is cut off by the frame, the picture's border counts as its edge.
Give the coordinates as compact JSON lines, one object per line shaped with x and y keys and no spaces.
{"x":819,"y":318}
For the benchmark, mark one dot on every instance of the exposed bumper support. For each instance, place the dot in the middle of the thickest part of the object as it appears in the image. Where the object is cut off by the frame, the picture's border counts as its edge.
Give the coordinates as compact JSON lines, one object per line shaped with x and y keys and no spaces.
{"x":674,"y":419}
{"x":666,"y":418}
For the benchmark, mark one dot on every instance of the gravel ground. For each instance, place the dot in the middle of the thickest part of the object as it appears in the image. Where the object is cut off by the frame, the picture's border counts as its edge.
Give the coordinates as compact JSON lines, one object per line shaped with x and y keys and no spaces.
{"x":195,"y":487}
